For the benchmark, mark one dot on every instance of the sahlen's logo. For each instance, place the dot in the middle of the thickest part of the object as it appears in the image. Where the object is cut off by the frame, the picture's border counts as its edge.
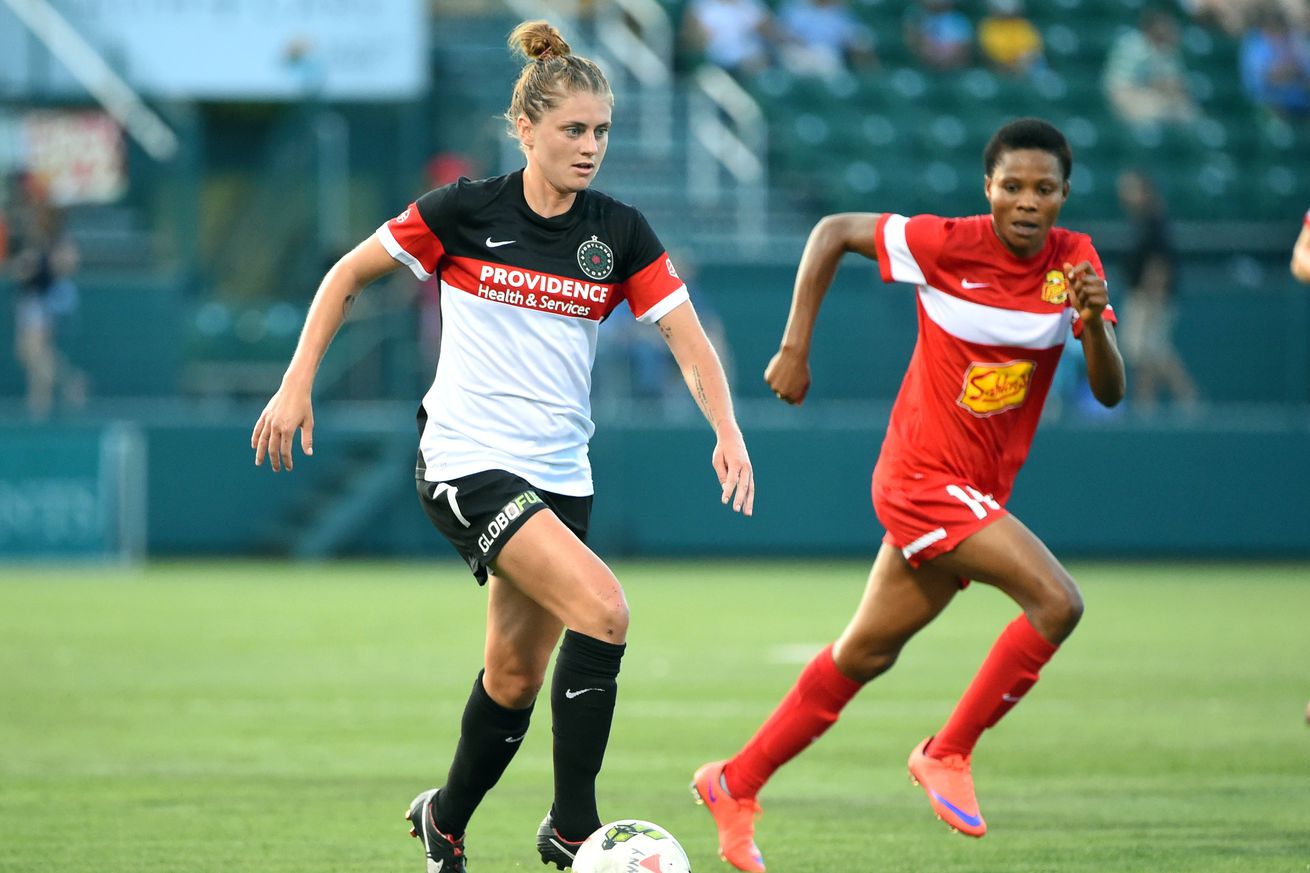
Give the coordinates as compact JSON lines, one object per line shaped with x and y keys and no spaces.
{"x":595,"y":258}
{"x":990,"y":388}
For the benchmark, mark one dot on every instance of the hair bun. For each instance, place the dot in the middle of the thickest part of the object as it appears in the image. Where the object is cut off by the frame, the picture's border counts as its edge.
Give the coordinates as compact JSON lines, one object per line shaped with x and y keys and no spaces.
{"x":538,"y":41}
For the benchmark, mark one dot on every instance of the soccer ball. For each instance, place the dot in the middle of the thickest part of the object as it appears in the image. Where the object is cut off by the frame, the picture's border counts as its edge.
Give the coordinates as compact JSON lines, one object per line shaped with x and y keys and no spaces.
{"x":631,"y":846}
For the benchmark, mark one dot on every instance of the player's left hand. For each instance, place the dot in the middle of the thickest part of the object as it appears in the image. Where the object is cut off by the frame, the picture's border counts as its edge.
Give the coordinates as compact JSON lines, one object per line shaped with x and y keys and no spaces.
{"x":1087,"y":292}
{"x":732,"y":464}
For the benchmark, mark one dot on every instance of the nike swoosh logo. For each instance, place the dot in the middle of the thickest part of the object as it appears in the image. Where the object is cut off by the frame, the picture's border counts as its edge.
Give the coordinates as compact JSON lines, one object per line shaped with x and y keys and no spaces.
{"x":517,"y":739}
{"x":570,"y":693}
{"x":965,"y":283}
{"x":1010,"y":698}
{"x":571,"y":851}
{"x":498,"y":243}
{"x":974,"y":820}
{"x":435,"y":866}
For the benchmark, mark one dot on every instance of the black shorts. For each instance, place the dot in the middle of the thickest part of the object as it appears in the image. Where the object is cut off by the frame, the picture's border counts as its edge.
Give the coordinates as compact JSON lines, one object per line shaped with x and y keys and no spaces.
{"x":478,"y":514}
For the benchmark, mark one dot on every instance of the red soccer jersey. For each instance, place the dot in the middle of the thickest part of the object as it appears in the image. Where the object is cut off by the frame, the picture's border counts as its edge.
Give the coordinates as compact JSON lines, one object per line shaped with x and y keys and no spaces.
{"x":991,"y":329}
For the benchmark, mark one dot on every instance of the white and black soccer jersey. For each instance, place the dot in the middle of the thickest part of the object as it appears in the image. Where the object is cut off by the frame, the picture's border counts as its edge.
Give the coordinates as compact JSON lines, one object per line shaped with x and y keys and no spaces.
{"x":522,"y":298}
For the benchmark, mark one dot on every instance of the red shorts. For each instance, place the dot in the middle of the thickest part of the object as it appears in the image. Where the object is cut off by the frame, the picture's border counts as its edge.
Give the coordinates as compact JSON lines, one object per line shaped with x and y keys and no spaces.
{"x":928,"y":517}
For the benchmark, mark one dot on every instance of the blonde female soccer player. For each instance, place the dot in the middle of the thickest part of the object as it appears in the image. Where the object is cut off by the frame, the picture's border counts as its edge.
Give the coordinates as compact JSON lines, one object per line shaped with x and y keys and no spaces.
{"x":529,"y":264}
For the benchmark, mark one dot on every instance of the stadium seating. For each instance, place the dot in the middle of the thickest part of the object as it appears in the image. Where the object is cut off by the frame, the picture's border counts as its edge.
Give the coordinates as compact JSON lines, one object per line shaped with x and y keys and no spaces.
{"x":904,"y":138}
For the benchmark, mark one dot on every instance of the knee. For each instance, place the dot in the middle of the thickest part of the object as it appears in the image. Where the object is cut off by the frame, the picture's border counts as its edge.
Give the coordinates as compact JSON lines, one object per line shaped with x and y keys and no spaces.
{"x":514,"y":686}
{"x":605,"y":615}
{"x":1071,"y":611}
{"x":1059,"y":612}
{"x":612,"y":621}
{"x":862,"y":663}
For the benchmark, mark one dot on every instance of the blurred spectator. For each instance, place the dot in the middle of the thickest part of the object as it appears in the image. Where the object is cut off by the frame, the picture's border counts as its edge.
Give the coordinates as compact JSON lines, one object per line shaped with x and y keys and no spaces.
{"x":1297,"y":12}
{"x":46,"y":304}
{"x":1148,"y":325}
{"x":1235,"y":16}
{"x":940,"y":35}
{"x":823,"y":37}
{"x":446,"y":167}
{"x":306,"y":65}
{"x":1301,"y":252}
{"x":1009,"y":42}
{"x":1228,"y":15}
{"x":1144,"y":75}
{"x":1276,"y":65}
{"x":737,"y":35}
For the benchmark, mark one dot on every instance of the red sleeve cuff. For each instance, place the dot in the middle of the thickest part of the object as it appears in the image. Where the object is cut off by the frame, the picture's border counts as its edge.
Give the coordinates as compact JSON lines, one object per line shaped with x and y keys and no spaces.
{"x":1106,"y":315}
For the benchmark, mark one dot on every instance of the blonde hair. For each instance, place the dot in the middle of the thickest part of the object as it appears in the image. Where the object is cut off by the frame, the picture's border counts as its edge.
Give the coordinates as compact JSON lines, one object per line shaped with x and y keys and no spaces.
{"x":552,"y":73}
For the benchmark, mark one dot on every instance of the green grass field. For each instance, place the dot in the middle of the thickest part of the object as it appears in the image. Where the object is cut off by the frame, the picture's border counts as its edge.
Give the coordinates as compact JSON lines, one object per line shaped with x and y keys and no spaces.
{"x":277,"y":718}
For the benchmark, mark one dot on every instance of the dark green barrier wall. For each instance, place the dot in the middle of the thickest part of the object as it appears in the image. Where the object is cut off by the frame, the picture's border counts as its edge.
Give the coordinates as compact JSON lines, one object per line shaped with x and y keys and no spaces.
{"x":72,"y":491}
{"x":1112,"y":491}
{"x":1209,"y":489}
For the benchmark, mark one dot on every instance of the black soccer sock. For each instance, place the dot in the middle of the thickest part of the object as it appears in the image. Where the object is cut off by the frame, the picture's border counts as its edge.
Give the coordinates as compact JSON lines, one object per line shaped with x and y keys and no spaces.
{"x":489,"y":735}
{"x":582,"y":696}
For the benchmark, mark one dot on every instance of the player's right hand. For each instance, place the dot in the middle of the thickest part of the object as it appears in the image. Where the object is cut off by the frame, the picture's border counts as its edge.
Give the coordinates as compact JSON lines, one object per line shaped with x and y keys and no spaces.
{"x":788,"y":374}
{"x":289,"y":410}
{"x":732,"y":464}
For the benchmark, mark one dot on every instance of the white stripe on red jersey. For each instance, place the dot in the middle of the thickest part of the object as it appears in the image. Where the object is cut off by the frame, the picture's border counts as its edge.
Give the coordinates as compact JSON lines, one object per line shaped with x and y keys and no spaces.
{"x":992,"y":325}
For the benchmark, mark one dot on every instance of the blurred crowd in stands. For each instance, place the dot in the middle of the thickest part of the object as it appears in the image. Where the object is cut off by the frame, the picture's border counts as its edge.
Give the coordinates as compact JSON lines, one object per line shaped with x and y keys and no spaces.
{"x":1144,"y":77}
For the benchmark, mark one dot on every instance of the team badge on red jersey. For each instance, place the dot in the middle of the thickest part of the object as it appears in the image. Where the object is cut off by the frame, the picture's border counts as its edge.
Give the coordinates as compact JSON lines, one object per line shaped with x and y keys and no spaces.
{"x":595,"y":258}
{"x":1056,"y":287}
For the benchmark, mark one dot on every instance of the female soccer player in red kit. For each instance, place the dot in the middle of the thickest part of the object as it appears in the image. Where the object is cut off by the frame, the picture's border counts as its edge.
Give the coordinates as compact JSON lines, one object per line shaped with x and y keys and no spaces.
{"x":996,"y":294}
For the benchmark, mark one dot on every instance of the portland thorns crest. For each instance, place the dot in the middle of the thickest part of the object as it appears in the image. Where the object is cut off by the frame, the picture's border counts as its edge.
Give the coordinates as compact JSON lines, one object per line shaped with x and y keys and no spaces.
{"x":596,"y":259}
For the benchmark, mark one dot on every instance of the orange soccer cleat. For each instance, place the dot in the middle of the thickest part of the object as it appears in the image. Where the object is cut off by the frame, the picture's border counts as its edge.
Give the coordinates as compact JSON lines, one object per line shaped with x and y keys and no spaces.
{"x":949,"y":786}
{"x":735,"y":819}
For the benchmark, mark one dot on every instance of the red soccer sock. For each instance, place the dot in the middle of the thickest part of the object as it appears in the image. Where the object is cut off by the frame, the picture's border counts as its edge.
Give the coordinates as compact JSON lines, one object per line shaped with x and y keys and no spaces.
{"x":1010,"y":669}
{"x":809,"y":708}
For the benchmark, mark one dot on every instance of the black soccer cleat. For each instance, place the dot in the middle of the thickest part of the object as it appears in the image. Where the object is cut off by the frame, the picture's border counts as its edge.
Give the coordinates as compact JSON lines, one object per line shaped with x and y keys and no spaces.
{"x":445,"y":854}
{"x":554,"y":848}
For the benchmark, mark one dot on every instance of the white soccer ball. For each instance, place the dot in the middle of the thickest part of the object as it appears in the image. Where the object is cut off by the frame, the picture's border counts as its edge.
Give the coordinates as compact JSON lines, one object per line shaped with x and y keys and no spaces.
{"x":631,"y":846}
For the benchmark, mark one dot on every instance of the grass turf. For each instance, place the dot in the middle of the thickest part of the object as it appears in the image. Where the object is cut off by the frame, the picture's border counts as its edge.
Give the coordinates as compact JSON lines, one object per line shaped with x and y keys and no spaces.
{"x":276,"y":717}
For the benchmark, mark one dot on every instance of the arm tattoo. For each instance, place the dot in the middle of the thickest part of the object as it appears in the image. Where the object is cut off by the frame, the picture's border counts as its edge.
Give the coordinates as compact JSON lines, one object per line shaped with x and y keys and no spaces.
{"x":665,"y":331}
{"x":345,"y":306}
{"x":701,"y":399}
